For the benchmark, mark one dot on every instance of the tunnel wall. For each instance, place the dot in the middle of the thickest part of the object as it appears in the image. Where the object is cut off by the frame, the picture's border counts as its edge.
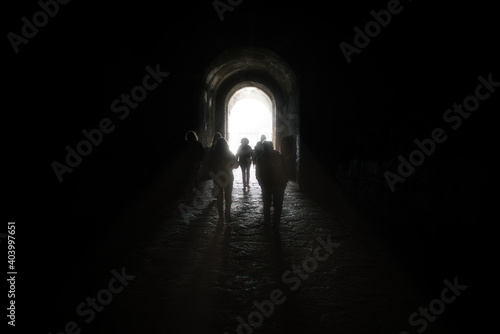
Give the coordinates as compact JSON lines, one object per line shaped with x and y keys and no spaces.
{"x":354,"y":118}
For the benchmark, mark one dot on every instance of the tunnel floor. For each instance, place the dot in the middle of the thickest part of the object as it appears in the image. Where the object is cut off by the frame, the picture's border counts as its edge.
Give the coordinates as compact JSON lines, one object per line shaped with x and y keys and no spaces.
{"x":199,"y":276}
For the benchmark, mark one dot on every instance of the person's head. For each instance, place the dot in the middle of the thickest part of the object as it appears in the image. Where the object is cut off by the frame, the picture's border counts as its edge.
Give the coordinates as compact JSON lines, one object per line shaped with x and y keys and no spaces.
{"x":221,"y":145}
{"x":244,"y":141}
{"x":217,"y":136}
{"x":267,"y":146}
{"x":263,"y":137}
{"x":191,"y":136}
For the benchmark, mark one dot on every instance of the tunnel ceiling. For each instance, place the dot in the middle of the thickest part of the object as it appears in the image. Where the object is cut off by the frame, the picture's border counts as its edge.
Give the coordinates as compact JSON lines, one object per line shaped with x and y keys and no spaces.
{"x":250,"y":64}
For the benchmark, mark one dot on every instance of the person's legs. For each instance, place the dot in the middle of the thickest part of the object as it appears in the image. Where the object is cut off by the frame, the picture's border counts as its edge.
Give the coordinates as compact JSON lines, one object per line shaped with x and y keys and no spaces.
{"x":266,"y":199}
{"x":220,"y":201}
{"x":228,"y":193}
{"x":188,"y":186}
{"x":243,"y":174}
{"x":248,"y":175}
{"x":278,"y":195}
{"x":215,"y":189}
{"x":195,"y":176}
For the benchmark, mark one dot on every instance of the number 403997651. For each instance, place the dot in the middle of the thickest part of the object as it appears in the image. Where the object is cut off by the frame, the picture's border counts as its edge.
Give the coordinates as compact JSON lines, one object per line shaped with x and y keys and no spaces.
{"x":11,"y":243}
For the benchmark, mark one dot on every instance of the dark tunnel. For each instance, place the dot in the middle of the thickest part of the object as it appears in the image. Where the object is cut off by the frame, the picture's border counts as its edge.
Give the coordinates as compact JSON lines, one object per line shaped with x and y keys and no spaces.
{"x":380,"y":116}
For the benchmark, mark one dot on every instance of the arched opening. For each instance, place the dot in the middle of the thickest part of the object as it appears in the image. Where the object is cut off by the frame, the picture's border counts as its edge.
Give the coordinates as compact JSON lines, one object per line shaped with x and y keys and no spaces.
{"x":262,"y":76}
{"x":250,"y":114}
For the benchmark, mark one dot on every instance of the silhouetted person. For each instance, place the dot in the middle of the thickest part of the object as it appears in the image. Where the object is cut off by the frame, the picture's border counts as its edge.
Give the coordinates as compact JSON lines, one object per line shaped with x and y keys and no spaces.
{"x":272,"y":176}
{"x":244,"y":156}
{"x":217,"y":136}
{"x":193,"y":156}
{"x":222,"y":164}
{"x":258,"y":148}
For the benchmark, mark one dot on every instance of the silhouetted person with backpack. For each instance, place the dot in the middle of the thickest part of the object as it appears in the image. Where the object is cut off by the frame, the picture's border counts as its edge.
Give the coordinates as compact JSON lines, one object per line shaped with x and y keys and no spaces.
{"x":258,"y":148}
{"x":244,"y":156}
{"x":222,"y":162}
{"x":272,"y":176}
{"x":193,"y":156}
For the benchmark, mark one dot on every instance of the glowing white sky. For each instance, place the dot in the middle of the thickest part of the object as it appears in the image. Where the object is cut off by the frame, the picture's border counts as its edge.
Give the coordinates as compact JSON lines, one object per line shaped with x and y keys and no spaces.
{"x":248,"y":118}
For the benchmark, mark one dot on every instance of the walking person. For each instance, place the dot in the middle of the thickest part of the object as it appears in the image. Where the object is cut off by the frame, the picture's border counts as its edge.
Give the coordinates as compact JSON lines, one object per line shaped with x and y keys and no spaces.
{"x":272,"y":176}
{"x":244,"y":156}
{"x":258,"y":148}
{"x":222,"y":164}
{"x":216,"y":137}
{"x":193,"y":151}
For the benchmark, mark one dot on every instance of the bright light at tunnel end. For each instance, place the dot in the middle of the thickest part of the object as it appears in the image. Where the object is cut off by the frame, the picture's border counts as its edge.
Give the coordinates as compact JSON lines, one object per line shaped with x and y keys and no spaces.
{"x":250,"y":116}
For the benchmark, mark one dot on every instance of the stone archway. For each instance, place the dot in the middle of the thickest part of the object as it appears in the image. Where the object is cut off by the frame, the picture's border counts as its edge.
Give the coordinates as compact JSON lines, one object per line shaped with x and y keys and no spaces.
{"x":257,"y":118}
{"x":264,"y":69}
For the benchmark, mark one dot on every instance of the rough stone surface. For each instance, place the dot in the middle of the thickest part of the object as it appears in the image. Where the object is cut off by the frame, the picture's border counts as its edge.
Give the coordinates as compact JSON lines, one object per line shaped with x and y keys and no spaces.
{"x":199,"y":276}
